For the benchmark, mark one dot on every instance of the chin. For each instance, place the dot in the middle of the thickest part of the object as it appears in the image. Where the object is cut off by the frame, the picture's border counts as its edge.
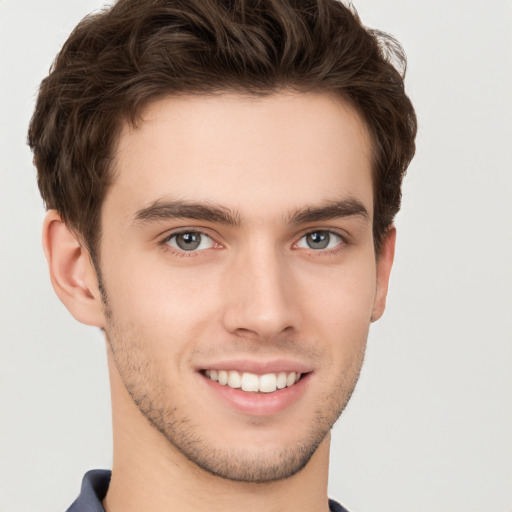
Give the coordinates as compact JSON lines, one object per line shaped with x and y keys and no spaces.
{"x":251,"y":466}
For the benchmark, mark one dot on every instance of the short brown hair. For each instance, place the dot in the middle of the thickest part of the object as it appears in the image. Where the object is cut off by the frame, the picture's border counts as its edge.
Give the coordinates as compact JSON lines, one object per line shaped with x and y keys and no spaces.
{"x":117,"y":60}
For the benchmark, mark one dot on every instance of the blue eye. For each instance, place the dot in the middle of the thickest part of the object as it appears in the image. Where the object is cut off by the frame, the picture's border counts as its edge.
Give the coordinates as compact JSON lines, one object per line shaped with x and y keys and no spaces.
{"x":190,"y":241}
{"x":320,"y":240}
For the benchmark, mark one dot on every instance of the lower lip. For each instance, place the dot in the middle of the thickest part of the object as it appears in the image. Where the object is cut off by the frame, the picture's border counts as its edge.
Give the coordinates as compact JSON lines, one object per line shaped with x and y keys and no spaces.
{"x":259,"y":404}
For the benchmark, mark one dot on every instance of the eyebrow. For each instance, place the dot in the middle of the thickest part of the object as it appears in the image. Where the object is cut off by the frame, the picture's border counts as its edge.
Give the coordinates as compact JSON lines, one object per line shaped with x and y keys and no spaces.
{"x":161,"y":210}
{"x":164,"y":209}
{"x":332,"y":210}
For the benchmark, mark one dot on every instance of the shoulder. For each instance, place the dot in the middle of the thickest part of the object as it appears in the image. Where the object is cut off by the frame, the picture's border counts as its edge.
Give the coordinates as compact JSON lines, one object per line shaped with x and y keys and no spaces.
{"x":334,"y":506}
{"x":94,"y":488}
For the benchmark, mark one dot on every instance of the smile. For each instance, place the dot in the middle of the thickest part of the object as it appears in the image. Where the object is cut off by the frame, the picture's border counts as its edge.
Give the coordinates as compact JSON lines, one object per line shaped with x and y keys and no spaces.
{"x":251,"y":382}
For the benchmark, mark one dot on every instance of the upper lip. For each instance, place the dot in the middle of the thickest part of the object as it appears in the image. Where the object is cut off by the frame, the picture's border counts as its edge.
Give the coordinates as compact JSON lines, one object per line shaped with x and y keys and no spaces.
{"x":258,"y":367}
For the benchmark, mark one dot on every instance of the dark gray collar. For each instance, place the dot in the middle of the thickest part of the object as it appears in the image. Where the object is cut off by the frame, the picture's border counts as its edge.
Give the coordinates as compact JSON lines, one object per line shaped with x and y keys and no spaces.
{"x":95,"y":486}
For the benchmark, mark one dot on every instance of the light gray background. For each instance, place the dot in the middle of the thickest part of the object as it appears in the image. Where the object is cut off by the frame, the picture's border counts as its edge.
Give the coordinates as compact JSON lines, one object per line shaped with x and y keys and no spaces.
{"x":429,"y":428}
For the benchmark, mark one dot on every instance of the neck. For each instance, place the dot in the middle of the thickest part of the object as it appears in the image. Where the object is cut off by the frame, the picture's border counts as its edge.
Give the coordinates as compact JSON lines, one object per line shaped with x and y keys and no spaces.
{"x":150,"y":474}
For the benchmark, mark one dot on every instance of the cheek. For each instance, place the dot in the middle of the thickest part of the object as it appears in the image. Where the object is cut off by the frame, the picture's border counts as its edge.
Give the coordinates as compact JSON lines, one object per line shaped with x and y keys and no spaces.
{"x":140,"y":282}
{"x":338,"y":308}
{"x":341,"y":296}
{"x":159,"y":307}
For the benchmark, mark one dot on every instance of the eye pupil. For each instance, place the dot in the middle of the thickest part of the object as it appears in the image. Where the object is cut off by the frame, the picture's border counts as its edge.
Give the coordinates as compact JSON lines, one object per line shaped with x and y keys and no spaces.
{"x":188,"y":241}
{"x":318,"y":239}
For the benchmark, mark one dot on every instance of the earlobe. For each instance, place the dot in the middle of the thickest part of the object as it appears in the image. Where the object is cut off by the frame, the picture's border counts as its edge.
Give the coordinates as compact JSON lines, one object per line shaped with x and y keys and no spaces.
{"x":384,"y":264}
{"x":71,"y":271}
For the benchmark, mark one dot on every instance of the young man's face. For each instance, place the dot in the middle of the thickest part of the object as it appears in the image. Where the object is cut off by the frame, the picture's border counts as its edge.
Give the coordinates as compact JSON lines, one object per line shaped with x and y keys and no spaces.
{"x":237,"y":243}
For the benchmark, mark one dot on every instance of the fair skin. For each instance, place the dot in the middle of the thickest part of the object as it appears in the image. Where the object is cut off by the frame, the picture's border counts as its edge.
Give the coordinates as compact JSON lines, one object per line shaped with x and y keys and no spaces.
{"x":237,"y":238}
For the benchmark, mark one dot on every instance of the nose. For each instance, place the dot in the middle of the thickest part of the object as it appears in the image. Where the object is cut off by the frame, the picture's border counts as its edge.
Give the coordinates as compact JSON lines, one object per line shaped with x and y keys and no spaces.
{"x":260,"y":300}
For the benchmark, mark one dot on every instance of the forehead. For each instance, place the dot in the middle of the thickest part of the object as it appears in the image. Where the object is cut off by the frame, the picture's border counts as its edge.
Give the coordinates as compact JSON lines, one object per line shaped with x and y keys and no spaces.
{"x":251,"y":154}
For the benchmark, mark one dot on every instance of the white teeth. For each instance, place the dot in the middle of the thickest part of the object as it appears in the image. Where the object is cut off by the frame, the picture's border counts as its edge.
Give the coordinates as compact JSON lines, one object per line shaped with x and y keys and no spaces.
{"x":290,"y":379}
{"x":223,"y":377}
{"x":251,"y":382}
{"x":281,"y":380}
{"x":234,"y":380}
{"x":268,"y":383}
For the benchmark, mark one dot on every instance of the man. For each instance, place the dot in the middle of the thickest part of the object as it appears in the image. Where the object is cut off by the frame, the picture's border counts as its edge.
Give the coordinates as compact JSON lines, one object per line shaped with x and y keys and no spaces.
{"x":221,"y":180}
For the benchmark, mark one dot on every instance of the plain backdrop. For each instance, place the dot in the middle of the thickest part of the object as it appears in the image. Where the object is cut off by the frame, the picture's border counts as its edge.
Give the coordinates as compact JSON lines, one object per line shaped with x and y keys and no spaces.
{"x":429,"y":428}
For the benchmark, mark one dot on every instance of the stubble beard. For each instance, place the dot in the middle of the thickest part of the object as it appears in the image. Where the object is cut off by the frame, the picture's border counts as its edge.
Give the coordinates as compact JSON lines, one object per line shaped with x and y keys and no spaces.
{"x":261,"y":466}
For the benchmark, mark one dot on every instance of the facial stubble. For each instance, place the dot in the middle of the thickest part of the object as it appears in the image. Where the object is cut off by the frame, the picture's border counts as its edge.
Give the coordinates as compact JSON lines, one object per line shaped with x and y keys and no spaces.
{"x":153,"y":400}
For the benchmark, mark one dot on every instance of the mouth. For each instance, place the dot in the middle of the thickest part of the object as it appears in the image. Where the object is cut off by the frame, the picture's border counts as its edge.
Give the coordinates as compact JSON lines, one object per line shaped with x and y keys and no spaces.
{"x":255,"y":387}
{"x":252,"y":382}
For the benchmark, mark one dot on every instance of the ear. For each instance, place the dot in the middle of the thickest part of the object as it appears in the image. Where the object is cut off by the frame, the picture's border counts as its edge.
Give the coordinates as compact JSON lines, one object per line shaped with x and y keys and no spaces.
{"x":384,"y":264}
{"x":71,"y":271}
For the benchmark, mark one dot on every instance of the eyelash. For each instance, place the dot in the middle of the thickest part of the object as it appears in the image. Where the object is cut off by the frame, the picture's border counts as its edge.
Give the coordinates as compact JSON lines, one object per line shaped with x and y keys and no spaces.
{"x":181,"y":252}
{"x":341,"y":245}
